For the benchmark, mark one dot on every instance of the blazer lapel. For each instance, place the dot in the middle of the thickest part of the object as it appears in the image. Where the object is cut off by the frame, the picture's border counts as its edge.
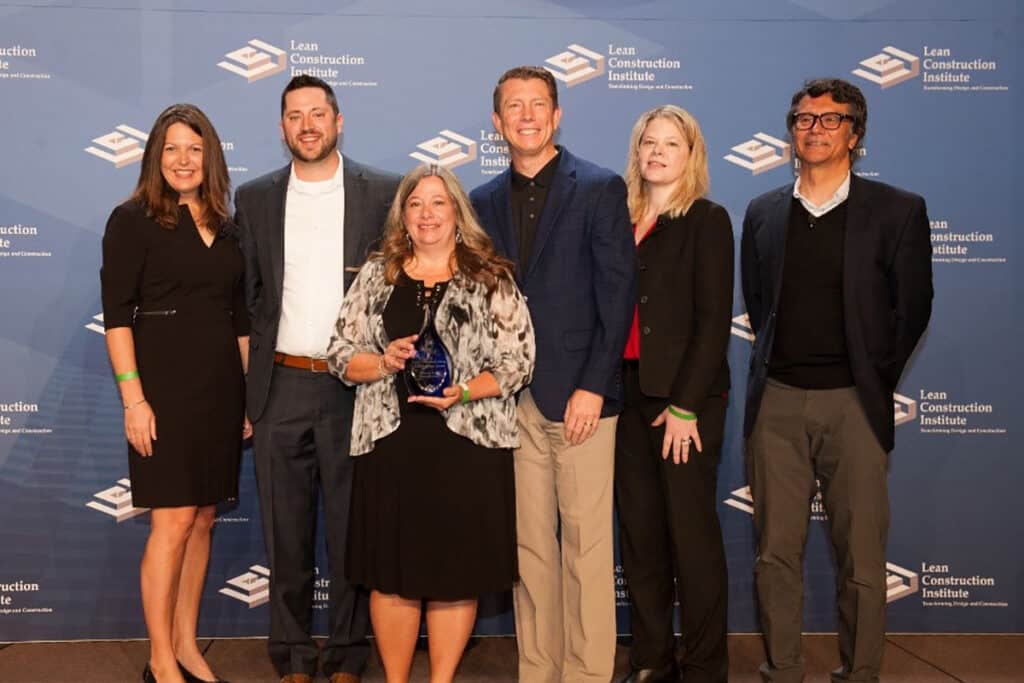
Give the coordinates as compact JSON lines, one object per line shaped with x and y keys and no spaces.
{"x":778,"y":222}
{"x":355,"y":229}
{"x":275,"y":221}
{"x":501,"y":205}
{"x":856,"y":254}
{"x":562,"y":189}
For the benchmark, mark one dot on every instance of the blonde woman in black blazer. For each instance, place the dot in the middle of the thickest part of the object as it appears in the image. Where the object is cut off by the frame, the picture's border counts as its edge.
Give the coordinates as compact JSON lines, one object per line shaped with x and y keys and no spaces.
{"x":676,"y":378}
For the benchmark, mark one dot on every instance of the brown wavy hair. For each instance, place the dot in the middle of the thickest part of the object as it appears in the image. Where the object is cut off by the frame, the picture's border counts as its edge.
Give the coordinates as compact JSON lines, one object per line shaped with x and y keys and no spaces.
{"x":158,"y":198}
{"x":694,"y":182}
{"x":474,"y":256}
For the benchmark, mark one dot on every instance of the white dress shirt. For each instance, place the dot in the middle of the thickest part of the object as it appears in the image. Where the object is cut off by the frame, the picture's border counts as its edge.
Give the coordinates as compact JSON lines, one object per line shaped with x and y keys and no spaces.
{"x":314,"y":264}
{"x":840,"y":196}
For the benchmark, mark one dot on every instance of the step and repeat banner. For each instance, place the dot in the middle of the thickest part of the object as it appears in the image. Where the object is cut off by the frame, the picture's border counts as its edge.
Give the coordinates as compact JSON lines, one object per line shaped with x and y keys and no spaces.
{"x":82,"y":82}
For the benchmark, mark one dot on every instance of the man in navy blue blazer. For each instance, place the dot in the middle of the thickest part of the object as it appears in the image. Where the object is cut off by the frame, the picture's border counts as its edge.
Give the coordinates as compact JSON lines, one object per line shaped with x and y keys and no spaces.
{"x":565,"y":224}
{"x":837,"y":278}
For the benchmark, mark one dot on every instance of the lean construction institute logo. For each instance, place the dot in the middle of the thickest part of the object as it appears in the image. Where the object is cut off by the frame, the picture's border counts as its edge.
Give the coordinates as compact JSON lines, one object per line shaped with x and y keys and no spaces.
{"x":889,"y":67}
{"x":760,"y":154}
{"x":448,"y":149}
{"x":122,"y":146}
{"x":252,"y":587}
{"x":905,"y":409}
{"x":575,"y":65}
{"x":899,"y":582}
{"x":740,"y":327}
{"x":116,"y":501}
{"x":255,"y":60}
{"x":96,"y":325}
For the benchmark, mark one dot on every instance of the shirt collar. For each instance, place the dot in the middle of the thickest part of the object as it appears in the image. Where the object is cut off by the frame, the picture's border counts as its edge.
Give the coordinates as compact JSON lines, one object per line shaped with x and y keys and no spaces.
{"x":841,"y":194}
{"x":544,"y":176}
{"x":318,"y":186}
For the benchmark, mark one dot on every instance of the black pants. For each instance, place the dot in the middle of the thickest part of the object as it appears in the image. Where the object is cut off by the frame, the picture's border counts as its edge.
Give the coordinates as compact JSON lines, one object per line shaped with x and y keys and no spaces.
{"x":669,"y":529}
{"x":301,"y":448}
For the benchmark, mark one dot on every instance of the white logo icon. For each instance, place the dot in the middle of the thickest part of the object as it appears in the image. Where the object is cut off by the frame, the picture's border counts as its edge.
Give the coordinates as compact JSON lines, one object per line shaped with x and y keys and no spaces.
{"x":905,"y":409}
{"x":116,"y":501}
{"x":97,"y":324}
{"x":120,"y":147}
{"x":255,"y":60}
{"x":889,"y":67}
{"x":899,"y":582}
{"x":448,"y":149}
{"x":741,"y":499}
{"x":741,"y":327}
{"x":759,"y":154}
{"x":576,"y":65}
{"x":252,"y":587}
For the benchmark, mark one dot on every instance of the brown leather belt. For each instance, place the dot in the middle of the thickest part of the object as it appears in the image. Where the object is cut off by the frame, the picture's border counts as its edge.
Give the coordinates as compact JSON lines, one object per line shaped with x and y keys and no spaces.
{"x":300,"y":362}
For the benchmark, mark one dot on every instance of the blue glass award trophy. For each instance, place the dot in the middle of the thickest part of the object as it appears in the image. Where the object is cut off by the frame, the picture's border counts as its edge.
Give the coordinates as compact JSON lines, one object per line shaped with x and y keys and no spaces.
{"x":429,"y":372}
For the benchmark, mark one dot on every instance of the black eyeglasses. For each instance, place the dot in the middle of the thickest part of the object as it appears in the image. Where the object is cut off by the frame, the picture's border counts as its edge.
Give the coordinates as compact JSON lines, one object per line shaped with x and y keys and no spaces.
{"x":830,"y":120}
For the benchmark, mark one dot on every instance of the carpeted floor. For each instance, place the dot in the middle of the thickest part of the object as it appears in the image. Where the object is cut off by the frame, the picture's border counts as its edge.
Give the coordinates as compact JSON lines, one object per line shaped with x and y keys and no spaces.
{"x":908,"y":659}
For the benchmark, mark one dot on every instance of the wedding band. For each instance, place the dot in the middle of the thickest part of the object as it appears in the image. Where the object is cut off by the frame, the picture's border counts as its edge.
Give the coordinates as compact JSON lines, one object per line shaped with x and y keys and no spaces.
{"x":586,"y":424}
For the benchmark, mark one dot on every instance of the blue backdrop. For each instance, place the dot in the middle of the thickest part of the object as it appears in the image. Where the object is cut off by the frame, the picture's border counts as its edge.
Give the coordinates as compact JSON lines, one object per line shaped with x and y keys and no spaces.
{"x":81,"y":83}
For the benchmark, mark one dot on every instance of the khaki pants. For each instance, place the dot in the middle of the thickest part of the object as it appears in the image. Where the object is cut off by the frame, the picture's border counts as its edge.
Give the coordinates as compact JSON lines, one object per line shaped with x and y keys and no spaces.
{"x":565,"y":599}
{"x":800,"y":435}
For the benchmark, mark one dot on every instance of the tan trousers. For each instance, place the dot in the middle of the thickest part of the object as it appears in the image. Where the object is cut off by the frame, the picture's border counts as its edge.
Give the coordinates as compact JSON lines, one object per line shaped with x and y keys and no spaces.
{"x":565,"y":598}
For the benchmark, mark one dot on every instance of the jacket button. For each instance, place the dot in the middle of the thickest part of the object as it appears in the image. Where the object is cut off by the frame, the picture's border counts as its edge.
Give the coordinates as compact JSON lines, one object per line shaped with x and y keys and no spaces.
{"x":647,"y":330}
{"x":643,"y":299}
{"x":641,"y":266}
{"x":766,"y":362}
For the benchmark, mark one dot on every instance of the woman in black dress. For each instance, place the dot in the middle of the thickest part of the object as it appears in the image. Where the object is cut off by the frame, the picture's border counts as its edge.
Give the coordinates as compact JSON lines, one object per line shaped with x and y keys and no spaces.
{"x":433,"y":501}
{"x":177,"y":335}
{"x":675,"y":376}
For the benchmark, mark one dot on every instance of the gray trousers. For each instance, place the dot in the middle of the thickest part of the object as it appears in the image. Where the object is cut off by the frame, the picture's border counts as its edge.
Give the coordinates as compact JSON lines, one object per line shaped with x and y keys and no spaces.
{"x":301,"y":452}
{"x":801,"y":435}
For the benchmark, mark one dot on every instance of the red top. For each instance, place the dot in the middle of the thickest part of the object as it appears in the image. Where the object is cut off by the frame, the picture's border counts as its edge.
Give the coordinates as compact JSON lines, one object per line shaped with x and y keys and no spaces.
{"x":632,"y":351}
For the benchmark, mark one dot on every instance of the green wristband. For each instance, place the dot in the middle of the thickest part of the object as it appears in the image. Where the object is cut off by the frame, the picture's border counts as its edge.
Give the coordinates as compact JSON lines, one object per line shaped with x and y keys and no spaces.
{"x":465,"y":393}
{"x":682,"y":415}
{"x":125,"y":376}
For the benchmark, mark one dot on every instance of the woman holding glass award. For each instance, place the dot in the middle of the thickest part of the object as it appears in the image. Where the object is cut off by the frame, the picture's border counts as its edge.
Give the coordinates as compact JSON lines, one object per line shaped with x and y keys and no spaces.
{"x":438,"y":339}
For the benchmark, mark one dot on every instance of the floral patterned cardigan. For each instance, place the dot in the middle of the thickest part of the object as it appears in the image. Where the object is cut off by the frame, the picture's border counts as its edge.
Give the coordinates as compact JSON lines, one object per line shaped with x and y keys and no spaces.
{"x":481,"y":332}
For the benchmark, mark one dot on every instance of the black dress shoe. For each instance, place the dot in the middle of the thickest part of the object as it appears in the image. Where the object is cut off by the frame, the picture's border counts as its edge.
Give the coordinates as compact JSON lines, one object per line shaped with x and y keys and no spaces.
{"x":192,"y":678}
{"x":664,"y":674}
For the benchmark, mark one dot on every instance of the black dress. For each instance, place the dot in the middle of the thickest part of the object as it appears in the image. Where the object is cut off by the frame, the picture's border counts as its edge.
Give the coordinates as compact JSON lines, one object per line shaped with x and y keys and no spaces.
{"x":433,"y":514}
{"x":186,"y":304}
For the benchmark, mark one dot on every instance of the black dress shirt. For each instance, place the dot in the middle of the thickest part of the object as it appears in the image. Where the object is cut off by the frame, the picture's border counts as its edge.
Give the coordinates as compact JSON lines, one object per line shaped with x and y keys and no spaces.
{"x":528,"y":197}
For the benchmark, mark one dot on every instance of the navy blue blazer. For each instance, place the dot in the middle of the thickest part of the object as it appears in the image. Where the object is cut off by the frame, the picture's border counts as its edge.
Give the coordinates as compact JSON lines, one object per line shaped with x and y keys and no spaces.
{"x":580,"y":282}
{"x":887,"y":289}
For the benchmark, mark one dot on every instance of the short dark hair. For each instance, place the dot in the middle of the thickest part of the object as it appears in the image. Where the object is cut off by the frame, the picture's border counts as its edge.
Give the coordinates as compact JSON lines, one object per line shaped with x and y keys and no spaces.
{"x":306,"y":81}
{"x":843,"y":92}
{"x":525,"y":73}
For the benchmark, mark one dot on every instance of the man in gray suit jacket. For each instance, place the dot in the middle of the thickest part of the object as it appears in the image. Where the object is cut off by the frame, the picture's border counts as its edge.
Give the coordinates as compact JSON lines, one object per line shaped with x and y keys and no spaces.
{"x":306,"y":228}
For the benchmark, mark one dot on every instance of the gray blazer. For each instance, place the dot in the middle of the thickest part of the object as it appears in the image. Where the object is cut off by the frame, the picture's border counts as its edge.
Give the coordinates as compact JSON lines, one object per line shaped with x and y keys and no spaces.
{"x":259,"y":207}
{"x":496,"y":335}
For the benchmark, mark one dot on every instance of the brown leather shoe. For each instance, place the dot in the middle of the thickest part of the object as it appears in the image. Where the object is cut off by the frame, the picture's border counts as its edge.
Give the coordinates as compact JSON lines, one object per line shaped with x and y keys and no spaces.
{"x":297,"y":678}
{"x":344,"y":677}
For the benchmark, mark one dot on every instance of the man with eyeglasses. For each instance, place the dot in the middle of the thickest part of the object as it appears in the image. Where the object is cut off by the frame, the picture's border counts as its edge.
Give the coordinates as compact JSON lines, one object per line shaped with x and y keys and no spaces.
{"x":836,"y":274}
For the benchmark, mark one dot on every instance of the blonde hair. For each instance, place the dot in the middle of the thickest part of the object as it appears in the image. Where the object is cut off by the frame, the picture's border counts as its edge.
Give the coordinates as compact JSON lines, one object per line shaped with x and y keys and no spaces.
{"x":473,"y":257}
{"x":693,"y":184}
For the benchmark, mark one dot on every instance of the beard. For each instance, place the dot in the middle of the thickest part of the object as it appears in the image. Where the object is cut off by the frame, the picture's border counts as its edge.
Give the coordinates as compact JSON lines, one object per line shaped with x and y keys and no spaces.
{"x":329,"y":144}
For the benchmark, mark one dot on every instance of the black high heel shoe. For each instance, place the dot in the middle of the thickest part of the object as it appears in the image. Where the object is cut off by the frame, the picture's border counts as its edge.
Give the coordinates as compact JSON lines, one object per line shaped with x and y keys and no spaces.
{"x":191,"y":677}
{"x":147,"y":675}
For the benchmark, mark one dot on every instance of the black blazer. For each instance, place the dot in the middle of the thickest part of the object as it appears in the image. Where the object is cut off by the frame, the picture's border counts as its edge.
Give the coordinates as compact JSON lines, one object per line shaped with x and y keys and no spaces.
{"x":887,"y":289}
{"x":259,"y":214}
{"x":580,"y":281}
{"x":684,"y":301}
